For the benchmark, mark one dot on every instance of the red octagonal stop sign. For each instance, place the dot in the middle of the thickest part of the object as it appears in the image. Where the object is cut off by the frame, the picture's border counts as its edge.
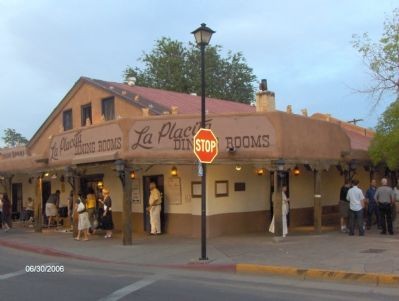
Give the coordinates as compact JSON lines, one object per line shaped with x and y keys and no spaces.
{"x":205,"y":146}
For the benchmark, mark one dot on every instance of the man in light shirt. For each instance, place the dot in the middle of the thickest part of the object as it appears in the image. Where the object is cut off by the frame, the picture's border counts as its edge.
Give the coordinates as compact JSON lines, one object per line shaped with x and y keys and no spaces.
{"x":384,"y":197}
{"x":356,"y":204}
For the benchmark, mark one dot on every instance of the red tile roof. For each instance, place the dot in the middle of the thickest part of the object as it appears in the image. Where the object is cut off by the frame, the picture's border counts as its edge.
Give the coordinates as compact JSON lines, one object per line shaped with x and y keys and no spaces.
{"x":163,"y":100}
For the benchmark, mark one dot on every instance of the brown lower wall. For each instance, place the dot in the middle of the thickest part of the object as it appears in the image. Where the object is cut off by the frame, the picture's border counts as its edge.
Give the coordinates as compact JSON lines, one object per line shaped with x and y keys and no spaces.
{"x":228,"y":223}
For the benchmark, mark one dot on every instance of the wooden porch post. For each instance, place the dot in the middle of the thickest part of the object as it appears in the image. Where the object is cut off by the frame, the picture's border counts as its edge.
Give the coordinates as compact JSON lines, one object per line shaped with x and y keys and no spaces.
{"x":317,"y":201}
{"x":75,"y":215}
{"x":38,"y":216}
{"x":127,"y":209}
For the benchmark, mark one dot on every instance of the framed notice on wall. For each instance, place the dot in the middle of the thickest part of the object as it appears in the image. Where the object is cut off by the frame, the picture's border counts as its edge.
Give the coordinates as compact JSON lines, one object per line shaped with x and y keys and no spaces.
{"x":173,"y":190}
{"x":196,"y":189}
{"x":136,"y":195}
{"x":221,"y":188}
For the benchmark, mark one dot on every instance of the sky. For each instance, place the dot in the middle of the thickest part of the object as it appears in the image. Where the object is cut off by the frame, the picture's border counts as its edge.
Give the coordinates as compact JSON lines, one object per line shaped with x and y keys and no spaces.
{"x":303,"y":48}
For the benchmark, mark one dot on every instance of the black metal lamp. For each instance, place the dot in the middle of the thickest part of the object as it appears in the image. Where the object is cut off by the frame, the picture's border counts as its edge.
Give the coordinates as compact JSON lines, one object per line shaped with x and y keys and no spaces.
{"x":120,"y":169}
{"x":203,"y":35}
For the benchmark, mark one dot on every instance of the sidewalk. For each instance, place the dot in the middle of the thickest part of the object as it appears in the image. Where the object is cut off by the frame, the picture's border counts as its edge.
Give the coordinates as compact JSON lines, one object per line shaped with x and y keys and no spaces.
{"x":331,"y":255}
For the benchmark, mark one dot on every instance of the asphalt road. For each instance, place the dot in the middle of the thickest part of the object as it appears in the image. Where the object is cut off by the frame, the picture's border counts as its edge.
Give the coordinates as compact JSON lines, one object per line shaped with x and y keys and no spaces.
{"x":80,"y":280}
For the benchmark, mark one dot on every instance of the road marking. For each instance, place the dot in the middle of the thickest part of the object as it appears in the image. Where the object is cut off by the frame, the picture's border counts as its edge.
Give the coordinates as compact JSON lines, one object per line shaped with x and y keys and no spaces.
{"x":124,"y":291}
{"x":10,"y":275}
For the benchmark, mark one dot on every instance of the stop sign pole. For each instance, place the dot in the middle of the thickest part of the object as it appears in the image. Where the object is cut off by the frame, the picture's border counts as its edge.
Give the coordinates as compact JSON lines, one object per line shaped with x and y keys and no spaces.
{"x":202,"y":36}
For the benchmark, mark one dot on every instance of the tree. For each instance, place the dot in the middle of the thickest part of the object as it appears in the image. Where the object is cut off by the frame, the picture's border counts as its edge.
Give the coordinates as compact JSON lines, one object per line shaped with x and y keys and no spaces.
{"x":381,"y":58}
{"x":11,"y":138}
{"x":173,"y":66}
{"x":385,"y":144}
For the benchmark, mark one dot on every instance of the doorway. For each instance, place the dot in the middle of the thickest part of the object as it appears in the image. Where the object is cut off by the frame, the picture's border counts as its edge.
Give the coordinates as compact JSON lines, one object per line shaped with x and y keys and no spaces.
{"x":91,"y":181}
{"x":46,"y":191}
{"x":16,"y":201}
{"x":159,"y":181}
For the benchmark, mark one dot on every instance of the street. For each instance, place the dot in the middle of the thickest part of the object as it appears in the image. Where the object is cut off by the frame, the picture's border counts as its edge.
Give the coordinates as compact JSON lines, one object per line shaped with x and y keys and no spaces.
{"x":81,"y":280}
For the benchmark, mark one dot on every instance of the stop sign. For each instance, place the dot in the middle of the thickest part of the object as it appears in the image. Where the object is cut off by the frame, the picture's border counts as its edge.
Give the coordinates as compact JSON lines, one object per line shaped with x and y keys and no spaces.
{"x":205,"y":146}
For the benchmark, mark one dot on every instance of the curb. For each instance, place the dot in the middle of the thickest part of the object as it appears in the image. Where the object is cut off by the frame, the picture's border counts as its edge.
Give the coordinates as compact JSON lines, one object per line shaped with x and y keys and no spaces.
{"x":389,"y":280}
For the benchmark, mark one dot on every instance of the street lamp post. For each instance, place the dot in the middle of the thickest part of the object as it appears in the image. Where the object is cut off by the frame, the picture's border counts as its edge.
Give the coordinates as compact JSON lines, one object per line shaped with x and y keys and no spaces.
{"x":202,"y":36}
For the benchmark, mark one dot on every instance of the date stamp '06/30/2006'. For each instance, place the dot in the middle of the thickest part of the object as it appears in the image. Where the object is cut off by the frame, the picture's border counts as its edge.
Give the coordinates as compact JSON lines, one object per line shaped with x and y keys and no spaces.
{"x":44,"y":268}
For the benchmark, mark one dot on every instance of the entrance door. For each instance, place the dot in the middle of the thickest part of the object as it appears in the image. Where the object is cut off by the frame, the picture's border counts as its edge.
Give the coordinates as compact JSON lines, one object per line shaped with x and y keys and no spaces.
{"x":91,"y":181}
{"x":46,"y":191}
{"x":159,"y":181}
{"x":16,"y":200}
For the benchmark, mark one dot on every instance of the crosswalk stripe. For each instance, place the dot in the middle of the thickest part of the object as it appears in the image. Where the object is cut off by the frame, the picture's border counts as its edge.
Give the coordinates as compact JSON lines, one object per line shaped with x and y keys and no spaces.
{"x":123,"y":292}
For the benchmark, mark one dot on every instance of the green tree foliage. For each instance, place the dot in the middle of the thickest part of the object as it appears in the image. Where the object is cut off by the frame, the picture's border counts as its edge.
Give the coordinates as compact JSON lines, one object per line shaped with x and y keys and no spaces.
{"x":11,"y":138}
{"x":381,"y":58}
{"x":385,"y":145}
{"x":173,"y":66}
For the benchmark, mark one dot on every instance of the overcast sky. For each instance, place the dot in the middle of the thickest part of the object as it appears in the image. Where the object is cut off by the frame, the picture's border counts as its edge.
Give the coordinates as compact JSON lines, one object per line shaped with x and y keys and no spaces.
{"x":303,"y":48}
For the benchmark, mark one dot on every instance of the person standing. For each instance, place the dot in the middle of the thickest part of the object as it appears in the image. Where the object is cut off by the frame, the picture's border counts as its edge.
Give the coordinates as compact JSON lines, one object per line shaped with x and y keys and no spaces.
{"x":372,"y":207}
{"x":28,"y":210}
{"x":396,"y":202}
{"x":384,"y":197}
{"x":1,"y":211}
{"x":154,"y":204}
{"x":6,"y":212}
{"x":91,"y":202}
{"x":52,"y":207}
{"x":107,"y":222}
{"x":344,"y":206}
{"x":356,"y":204}
{"x":83,"y":223}
{"x":285,"y":210}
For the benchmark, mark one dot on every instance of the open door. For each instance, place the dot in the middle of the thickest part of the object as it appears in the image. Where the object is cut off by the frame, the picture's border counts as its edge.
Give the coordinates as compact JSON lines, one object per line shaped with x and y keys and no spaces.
{"x":16,"y":201}
{"x":159,"y":180}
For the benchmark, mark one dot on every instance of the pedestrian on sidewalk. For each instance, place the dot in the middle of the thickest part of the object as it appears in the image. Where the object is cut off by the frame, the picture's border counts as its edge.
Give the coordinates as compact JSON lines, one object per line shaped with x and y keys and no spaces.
{"x":91,"y":204}
{"x":52,"y":208}
{"x":107,"y":222}
{"x":83,"y":223}
{"x":1,"y":211}
{"x":344,"y":206}
{"x":384,"y":197}
{"x":284,"y":209}
{"x":6,"y":212}
{"x":396,"y":202}
{"x":154,"y":206}
{"x":372,"y":206}
{"x":356,"y":204}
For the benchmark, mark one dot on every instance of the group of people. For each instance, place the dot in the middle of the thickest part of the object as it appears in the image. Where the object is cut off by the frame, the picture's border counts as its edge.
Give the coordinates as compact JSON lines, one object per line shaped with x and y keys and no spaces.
{"x":90,"y":216}
{"x":379,"y":202}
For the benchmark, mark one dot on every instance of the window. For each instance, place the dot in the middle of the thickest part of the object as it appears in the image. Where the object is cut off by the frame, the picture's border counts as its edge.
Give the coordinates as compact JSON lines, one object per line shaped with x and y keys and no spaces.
{"x":86,"y":115}
{"x":67,"y":120}
{"x":108,"y":108}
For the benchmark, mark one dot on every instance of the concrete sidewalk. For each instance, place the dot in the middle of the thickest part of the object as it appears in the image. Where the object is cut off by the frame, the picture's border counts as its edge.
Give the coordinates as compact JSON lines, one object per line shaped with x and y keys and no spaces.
{"x":331,"y":255}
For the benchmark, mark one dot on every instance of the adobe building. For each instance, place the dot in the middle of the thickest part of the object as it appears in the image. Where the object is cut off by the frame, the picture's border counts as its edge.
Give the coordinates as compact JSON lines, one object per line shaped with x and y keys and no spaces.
{"x":122,"y":136}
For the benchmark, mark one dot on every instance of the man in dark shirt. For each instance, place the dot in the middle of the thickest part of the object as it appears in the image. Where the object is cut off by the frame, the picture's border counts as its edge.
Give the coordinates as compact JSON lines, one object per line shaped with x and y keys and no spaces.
{"x":372,"y":207}
{"x":344,"y":205}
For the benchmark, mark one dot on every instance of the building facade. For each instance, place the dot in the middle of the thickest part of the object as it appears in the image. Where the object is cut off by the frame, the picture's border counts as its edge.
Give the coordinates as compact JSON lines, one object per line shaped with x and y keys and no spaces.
{"x":122,"y":137}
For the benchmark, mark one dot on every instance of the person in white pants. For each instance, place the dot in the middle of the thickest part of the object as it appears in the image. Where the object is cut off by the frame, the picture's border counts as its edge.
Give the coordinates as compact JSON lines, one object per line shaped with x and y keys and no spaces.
{"x":154,"y":203}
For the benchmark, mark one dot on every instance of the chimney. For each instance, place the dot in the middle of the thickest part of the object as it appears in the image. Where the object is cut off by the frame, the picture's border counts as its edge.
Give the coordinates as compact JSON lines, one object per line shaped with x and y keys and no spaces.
{"x":131,"y":81}
{"x":174,"y":110}
{"x":265,"y":100}
{"x":145,"y":112}
{"x":289,"y":109}
{"x":304,"y":112}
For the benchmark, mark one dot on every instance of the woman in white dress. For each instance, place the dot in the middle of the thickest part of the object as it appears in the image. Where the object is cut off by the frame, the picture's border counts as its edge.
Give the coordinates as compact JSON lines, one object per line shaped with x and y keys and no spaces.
{"x":285,"y":210}
{"x":83,"y":223}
